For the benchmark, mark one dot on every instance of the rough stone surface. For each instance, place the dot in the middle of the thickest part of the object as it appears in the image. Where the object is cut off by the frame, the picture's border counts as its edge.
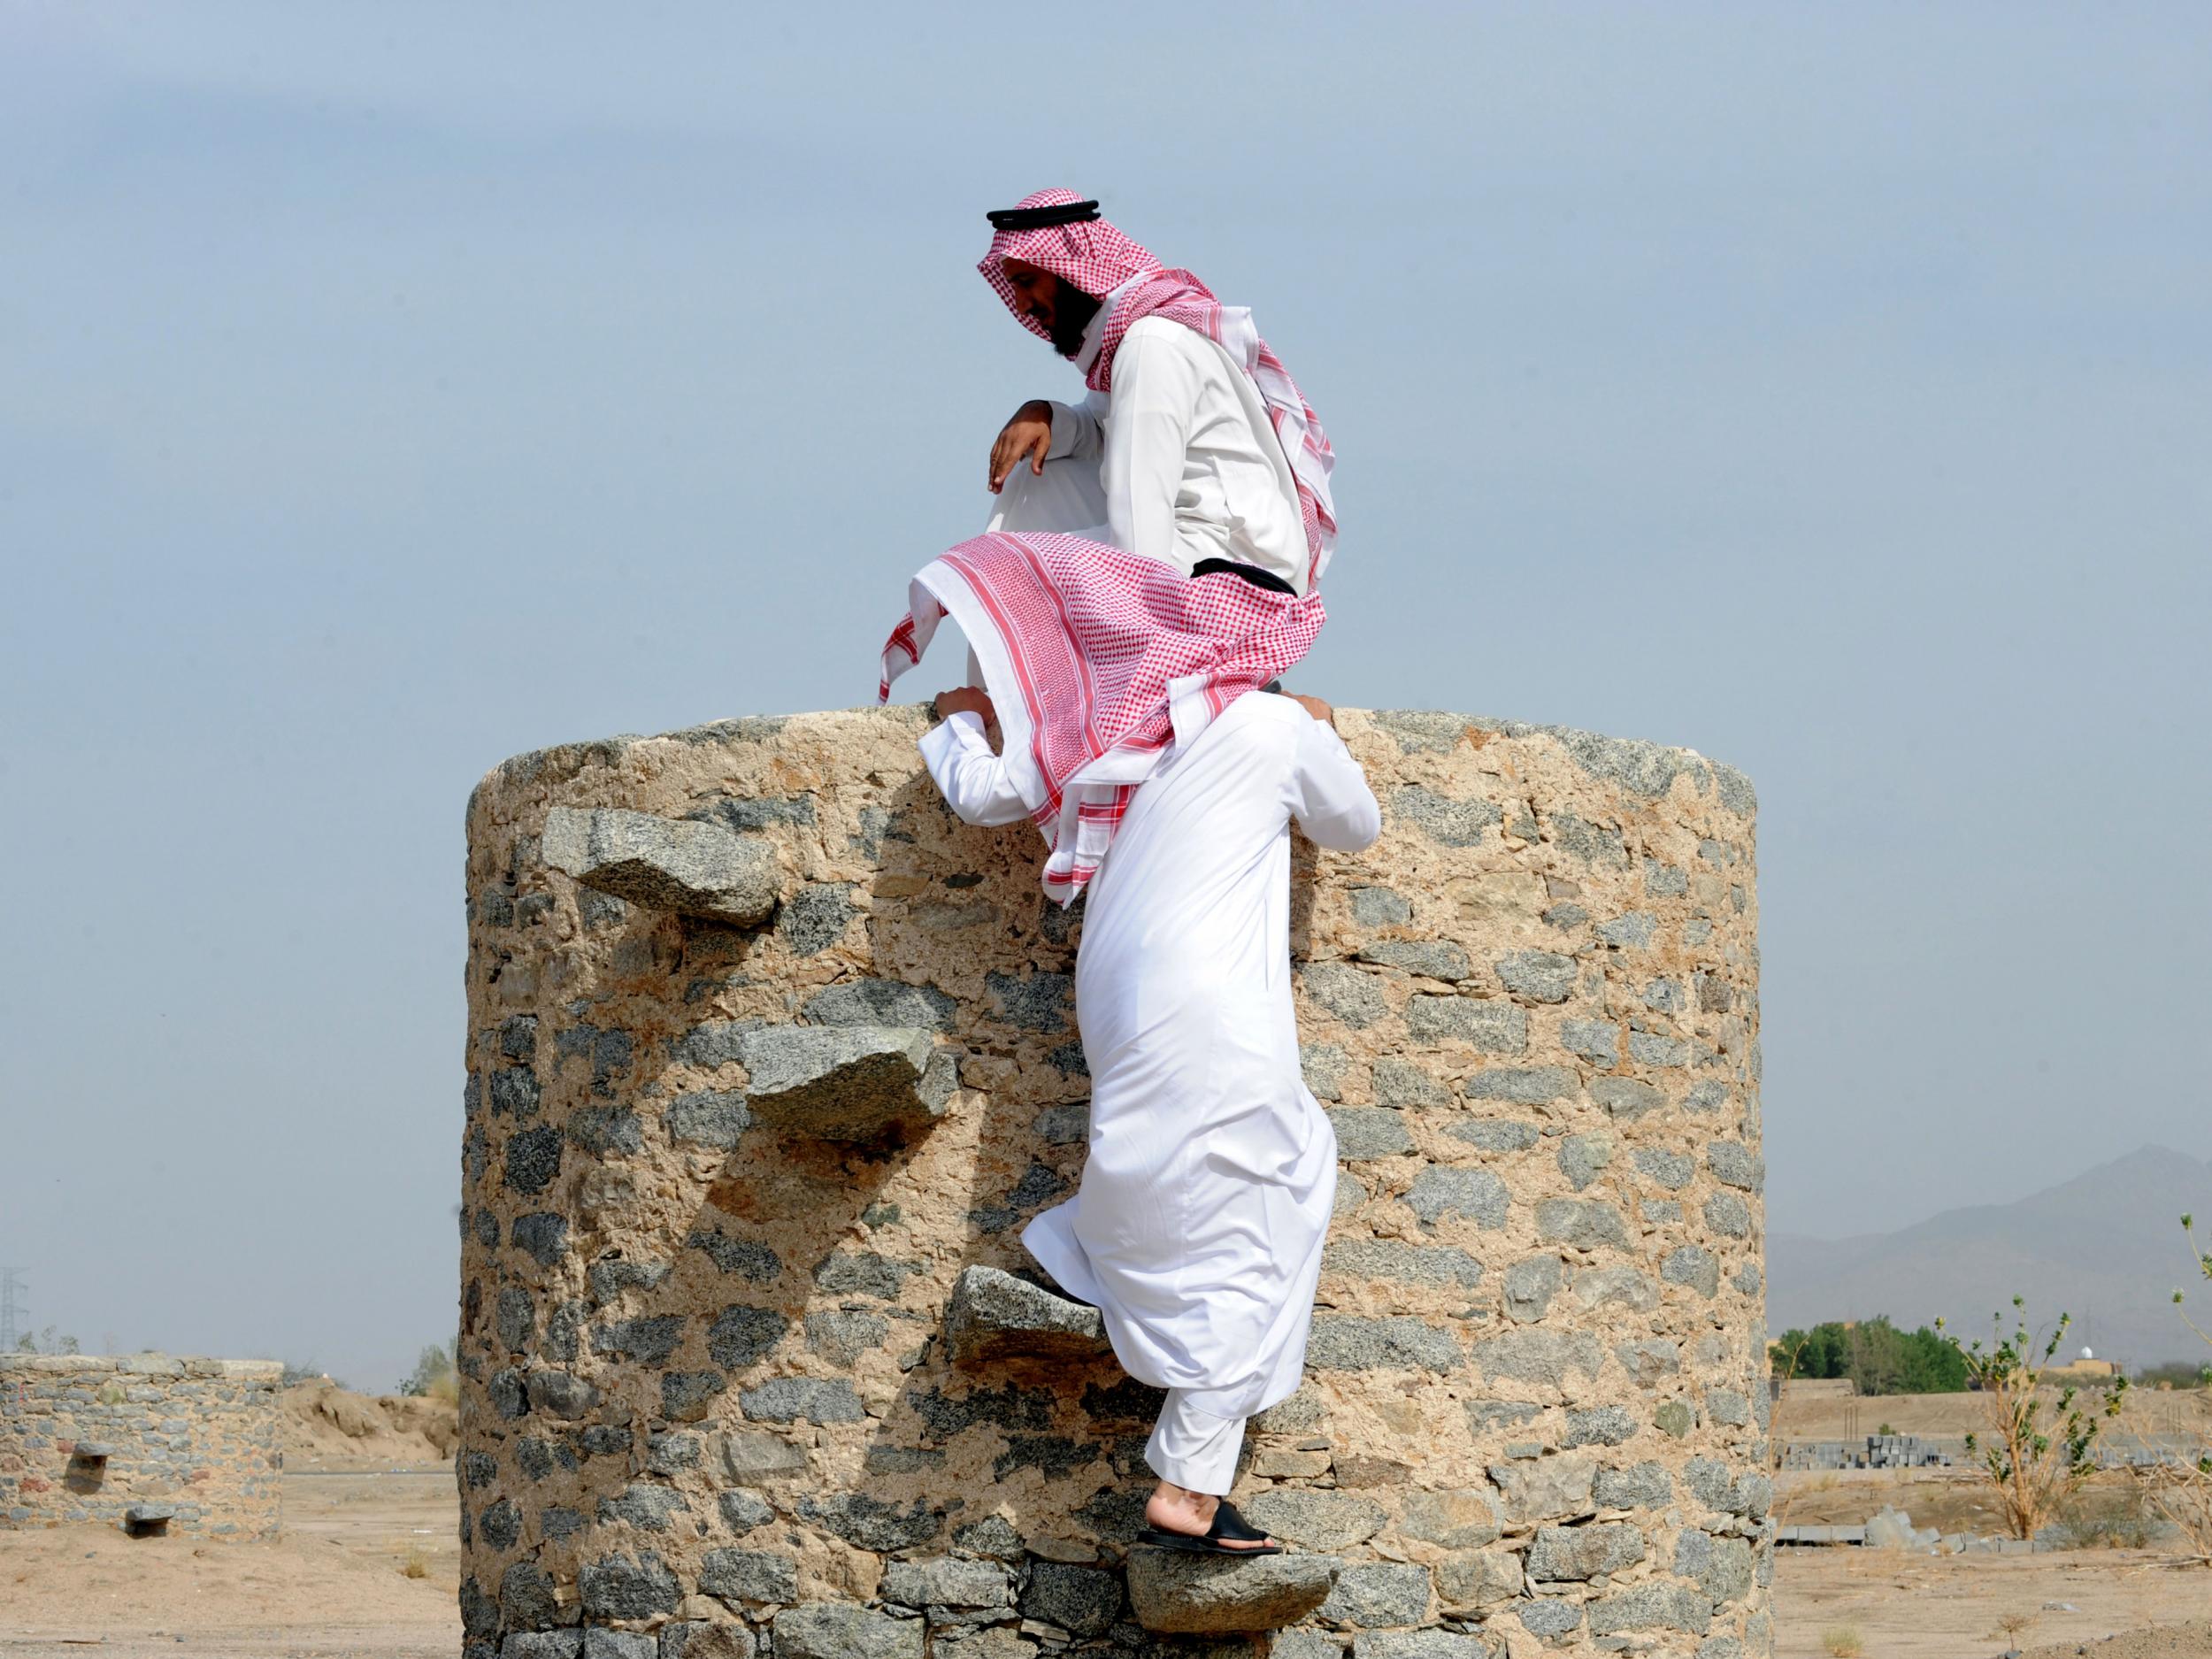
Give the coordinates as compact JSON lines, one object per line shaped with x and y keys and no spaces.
{"x":1174,"y":1592}
{"x":993,"y":1316}
{"x":945,"y":1581}
{"x":1083,"y":1600}
{"x":1533,"y":1007}
{"x":826,"y":1630}
{"x":1567,"y":1554}
{"x":846,"y":1082}
{"x":692,"y":869}
{"x":1372,"y":1593}
{"x":1324,"y":1521}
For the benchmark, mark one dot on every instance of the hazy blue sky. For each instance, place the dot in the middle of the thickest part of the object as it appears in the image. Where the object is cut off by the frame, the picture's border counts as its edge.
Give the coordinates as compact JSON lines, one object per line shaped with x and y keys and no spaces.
{"x":387,"y":388}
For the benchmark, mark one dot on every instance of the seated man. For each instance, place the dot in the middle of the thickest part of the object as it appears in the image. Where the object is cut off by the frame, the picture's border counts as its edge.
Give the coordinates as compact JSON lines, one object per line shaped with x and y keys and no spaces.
{"x":1198,"y":1227}
{"x":1193,"y":447}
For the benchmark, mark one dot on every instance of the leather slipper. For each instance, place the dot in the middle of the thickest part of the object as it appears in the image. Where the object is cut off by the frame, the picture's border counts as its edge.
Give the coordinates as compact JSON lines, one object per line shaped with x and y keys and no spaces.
{"x":1228,"y":1525}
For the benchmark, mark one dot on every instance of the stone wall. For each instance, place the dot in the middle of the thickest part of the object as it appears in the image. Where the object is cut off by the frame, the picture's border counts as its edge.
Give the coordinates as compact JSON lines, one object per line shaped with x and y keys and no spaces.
{"x":92,"y":1438}
{"x":770,"y":1058}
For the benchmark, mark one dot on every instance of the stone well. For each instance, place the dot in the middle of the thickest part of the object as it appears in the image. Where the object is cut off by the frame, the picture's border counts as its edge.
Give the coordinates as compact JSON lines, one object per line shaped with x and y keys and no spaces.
{"x":146,"y":1441}
{"x":770,"y":1058}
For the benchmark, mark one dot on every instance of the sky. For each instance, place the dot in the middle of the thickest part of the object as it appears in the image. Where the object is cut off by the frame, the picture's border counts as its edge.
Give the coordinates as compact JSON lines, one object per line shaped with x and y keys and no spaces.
{"x":386,"y":390}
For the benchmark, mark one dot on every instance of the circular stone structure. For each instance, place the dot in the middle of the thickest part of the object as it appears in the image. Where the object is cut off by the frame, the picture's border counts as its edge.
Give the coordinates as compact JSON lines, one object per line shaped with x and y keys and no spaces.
{"x":146,"y":1441}
{"x":770,"y":1058}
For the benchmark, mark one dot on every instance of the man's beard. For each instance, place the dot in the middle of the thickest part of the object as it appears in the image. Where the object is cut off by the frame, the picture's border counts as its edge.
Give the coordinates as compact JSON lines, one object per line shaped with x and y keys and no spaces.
{"x":1072,"y":314}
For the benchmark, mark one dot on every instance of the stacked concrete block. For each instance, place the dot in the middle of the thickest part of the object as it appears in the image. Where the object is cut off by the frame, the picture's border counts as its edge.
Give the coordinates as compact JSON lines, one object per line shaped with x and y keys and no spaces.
{"x":752,"y":1358}
{"x":141,"y":1440}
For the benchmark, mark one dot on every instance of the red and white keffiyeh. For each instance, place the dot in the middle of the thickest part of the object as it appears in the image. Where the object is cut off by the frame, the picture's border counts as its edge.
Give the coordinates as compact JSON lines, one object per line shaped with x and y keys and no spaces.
{"x":1099,"y":664}
{"x":1097,"y":258}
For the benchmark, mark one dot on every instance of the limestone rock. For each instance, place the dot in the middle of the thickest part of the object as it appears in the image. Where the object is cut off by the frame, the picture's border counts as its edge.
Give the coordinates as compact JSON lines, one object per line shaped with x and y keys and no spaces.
{"x":855,"y":1083}
{"x":1317,"y":1520}
{"x":1547,"y":1488}
{"x":1370,"y":1594}
{"x":665,"y":864}
{"x":993,"y":1316}
{"x":944,"y":1581}
{"x":830,"y":1630}
{"x":1174,"y":1592}
{"x":1476,"y":1580}
{"x":1579,"y":1554}
{"x":1421,"y":1644}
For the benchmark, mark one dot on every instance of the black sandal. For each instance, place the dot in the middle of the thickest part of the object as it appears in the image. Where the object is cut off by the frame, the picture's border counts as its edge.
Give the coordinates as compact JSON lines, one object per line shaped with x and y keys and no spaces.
{"x":1227,"y":1525}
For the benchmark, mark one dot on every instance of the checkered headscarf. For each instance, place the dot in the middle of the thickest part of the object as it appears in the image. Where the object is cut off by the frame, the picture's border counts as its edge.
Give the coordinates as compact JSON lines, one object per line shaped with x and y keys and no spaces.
{"x":1097,"y":258}
{"x":1099,"y":663}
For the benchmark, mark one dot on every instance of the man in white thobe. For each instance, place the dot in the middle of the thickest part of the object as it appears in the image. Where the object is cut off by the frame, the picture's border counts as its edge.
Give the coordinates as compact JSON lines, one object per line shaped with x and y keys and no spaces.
{"x":1177,"y":462}
{"x":1198,"y":1228}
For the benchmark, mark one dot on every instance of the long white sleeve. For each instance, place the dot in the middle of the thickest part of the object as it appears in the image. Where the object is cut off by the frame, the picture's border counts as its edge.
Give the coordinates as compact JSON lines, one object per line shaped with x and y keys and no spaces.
{"x":973,"y":780}
{"x":1329,"y":794}
{"x":1155,"y":401}
{"x":1075,"y":430}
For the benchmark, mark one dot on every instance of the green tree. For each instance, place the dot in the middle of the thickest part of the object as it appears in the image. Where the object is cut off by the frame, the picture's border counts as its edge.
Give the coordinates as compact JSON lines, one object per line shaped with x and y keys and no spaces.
{"x":1874,"y":1354}
{"x":433,"y":1375}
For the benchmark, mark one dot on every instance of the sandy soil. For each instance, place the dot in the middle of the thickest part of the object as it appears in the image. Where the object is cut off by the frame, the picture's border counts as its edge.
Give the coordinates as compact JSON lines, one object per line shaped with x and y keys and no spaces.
{"x":326,"y":1427}
{"x":336,"y":1584}
{"x":2146,"y":1411}
{"x":1902,"y":1606}
{"x":2192,"y":1640}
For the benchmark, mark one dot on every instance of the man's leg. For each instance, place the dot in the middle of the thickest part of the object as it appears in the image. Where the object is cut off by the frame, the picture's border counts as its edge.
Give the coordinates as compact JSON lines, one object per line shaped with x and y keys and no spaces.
{"x":1194,"y":1449}
{"x":1067,"y":496}
{"x":1194,"y":1454}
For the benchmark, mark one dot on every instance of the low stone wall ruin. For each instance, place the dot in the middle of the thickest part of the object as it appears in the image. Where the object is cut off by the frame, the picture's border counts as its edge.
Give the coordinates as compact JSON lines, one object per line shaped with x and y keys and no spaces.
{"x":142,"y":1439}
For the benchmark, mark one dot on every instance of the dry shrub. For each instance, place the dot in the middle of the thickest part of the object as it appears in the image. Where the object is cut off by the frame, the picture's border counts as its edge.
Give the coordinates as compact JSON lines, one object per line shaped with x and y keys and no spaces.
{"x":2181,"y":1493}
{"x":1842,"y":1642}
{"x":414,"y":1564}
{"x":2108,"y":1520}
{"x":2038,"y":1454}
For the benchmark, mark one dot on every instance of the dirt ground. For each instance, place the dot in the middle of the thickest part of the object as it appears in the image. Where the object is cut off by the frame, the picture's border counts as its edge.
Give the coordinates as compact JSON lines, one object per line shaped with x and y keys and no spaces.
{"x":326,"y":1427}
{"x":336,"y":1586}
{"x":1902,"y":1606}
{"x":2185,"y":1413}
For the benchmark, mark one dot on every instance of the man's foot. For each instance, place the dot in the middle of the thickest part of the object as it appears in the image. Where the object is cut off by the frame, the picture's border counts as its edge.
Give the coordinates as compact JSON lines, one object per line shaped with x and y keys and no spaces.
{"x":1173,"y":1509}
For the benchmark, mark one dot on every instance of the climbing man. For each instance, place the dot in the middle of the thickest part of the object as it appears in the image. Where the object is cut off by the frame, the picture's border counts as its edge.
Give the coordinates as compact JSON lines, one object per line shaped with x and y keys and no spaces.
{"x":1139,"y":588}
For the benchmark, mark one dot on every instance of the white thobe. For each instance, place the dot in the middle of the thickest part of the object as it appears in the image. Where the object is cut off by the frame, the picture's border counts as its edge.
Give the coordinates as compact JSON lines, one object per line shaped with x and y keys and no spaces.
{"x":1198,"y":1227}
{"x":1180,"y":464}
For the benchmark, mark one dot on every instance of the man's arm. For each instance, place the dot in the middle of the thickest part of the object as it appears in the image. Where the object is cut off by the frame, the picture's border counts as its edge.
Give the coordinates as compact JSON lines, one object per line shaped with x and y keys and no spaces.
{"x":1329,"y":794}
{"x":1040,"y":431}
{"x":973,"y":780}
{"x":1155,"y":401}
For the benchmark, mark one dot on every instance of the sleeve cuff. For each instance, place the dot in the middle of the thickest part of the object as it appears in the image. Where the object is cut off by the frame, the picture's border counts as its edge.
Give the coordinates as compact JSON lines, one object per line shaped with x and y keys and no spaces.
{"x":1068,"y":423}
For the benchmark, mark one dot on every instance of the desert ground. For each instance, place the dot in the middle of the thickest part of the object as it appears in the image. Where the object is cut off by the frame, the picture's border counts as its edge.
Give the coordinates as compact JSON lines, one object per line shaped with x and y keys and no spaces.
{"x":370,"y":1565}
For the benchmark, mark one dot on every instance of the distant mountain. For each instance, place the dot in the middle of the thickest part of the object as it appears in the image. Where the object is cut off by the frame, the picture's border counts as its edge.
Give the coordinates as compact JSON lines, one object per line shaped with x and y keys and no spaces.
{"x":2105,"y":1246}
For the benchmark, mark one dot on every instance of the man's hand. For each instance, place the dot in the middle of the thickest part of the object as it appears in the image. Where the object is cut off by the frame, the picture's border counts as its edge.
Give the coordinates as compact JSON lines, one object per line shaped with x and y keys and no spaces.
{"x":964,"y":700}
{"x":1314,"y":706}
{"x":1025,"y":437}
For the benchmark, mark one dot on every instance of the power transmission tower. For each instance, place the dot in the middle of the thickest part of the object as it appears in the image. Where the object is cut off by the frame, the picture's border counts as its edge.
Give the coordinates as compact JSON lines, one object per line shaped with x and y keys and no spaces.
{"x":10,"y":1309}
